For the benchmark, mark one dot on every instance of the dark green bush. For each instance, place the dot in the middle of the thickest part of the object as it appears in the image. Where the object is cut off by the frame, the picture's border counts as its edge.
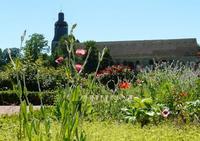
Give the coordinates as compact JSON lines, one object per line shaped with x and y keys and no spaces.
{"x":5,"y":85}
{"x":50,"y":78}
{"x":10,"y":97}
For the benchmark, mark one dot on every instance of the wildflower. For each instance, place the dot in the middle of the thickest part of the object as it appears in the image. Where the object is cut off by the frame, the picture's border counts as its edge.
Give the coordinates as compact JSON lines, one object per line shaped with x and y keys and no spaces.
{"x":139,"y":82}
{"x":80,"y":52}
{"x":124,"y":85}
{"x":59,"y":60}
{"x":78,"y":67}
{"x":165,"y":113}
{"x":183,"y":94}
{"x":98,"y":75}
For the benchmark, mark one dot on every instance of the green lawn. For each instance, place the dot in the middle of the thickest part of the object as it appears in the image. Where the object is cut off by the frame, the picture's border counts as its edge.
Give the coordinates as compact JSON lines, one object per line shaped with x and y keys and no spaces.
{"x":113,"y":131}
{"x":104,"y":131}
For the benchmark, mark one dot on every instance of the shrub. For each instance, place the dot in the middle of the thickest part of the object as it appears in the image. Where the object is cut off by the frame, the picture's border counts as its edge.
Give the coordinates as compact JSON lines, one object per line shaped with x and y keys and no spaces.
{"x":50,"y":78}
{"x":113,"y":75}
{"x":143,"y":111}
{"x":193,"y":108}
{"x":11,"y":98}
{"x":167,"y":81}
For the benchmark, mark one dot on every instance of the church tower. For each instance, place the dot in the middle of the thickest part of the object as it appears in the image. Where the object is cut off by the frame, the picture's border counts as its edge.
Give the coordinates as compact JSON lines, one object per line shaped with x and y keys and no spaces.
{"x":61,"y":29}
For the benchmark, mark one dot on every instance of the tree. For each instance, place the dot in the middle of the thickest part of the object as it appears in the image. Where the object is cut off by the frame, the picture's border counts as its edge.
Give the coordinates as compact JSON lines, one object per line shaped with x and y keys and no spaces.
{"x":15,"y":53}
{"x":93,"y":58}
{"x":1,"y":58}
{"x":107,"y":60}
{"x":34,"y":47}
{"x":61,"y":48}
{"x":92,"y":61}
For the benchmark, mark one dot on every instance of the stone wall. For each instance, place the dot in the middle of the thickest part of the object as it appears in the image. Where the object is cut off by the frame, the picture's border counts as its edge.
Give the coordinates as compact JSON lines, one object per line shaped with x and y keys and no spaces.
{"x":173,"y":49}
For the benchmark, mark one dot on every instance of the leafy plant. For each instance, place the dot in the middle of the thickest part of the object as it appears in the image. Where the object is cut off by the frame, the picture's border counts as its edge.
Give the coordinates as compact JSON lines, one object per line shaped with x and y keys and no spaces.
{"x":142,"y":111}
{"x":193,"y":108}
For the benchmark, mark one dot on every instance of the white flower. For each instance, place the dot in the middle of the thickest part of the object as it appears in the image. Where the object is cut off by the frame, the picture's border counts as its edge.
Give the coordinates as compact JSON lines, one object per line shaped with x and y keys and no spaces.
{"x":165,"y":113}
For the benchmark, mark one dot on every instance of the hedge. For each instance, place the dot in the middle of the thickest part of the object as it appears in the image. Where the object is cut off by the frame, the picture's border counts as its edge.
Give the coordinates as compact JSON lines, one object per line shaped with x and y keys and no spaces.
{"x":10,"y":97}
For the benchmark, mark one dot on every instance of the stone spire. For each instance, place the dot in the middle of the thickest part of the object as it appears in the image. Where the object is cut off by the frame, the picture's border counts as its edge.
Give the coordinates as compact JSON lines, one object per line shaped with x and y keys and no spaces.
{"x":61,"y":29}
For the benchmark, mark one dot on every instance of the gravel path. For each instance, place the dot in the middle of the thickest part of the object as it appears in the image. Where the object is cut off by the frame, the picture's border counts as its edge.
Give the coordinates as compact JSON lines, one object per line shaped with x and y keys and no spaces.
{"x":10,"y":110}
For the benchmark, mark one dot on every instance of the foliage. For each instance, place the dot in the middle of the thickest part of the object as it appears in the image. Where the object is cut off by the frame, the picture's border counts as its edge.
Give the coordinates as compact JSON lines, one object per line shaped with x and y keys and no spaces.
{"x":107,"y":60}
{"x":34,"y":46}
{"x":142,"y":111}
{"x":1,"y":58}
{"x":193,"y":108}
{"x":172,"y":85}
{"x":92,"y":62}
{"x":10,"y":98}
{"x":61,"y":48}
{"x":113,"y":75}
{"x":50,"y":78}
{"x":15,"y":53}
{"x":93,"y":59}
{"x":165,"y":82}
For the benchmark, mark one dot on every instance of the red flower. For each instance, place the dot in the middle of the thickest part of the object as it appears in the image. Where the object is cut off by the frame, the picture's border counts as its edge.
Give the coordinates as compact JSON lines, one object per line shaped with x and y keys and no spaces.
{"x":78,"y":67}
{"x":80,"y":52}
{"x":165,"y":113}
{"x":59,"y":60}
{"x":124,"y":85}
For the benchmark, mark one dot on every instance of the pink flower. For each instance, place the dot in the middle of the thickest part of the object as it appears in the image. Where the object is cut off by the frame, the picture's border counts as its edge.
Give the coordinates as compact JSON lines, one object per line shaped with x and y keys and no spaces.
{"x":165,"y":113}
{"x":59,"y":60}
{"x":78,"y":67}
{"x":80,"y":52}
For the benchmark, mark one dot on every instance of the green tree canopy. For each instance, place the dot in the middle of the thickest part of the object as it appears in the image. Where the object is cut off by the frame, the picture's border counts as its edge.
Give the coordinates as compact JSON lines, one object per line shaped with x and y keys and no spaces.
{"x":34,"y":46}
{"x":1,"y":58}
{"x":93,"y":58}
{"x":15,"y":53}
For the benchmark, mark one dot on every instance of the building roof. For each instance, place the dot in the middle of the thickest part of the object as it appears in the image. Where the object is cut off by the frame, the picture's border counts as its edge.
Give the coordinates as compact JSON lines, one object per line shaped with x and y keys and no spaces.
{"x":171,"y":48}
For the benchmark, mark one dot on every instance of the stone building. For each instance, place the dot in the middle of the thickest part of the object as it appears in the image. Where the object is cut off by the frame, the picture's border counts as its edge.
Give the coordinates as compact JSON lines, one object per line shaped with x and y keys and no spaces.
{"x":143,"y":51}
{"x":61,"y":29}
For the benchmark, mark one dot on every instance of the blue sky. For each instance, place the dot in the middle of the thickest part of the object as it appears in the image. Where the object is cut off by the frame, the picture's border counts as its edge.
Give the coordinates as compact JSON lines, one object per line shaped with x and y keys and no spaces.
{"x":101,"y":20}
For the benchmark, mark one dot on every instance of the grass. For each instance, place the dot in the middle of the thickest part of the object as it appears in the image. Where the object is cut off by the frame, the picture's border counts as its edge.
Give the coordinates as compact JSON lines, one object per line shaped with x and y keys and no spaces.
{"x":98,"y":131}
{"x":8,"y":128}
{"x":114,"y":131}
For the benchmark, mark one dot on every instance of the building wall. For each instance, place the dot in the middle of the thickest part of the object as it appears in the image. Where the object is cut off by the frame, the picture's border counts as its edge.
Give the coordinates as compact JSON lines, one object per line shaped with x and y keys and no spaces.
{"x":174,"y":49}
{"x":146,"y":50}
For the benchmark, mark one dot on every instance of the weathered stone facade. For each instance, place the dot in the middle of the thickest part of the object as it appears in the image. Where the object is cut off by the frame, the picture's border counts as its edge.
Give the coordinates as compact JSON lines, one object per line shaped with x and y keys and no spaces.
{"x":145,"y":50}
